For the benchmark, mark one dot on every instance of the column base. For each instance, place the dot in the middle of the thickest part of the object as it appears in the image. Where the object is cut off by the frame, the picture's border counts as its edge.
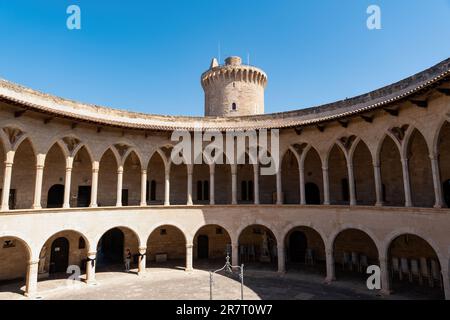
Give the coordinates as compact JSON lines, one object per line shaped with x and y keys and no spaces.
{"x":282,"y":271}
{"x":188,"y":269}
{"x":437,"y":206}
{"x":167,"y":204}
{"x":37,"y":207}
{"x":5,"y":208}
{"x":141,"y":273}
{"x":385,"y":292}
{"x":329,"y":280}
{"x":143,"y":204}
{"x":93,"y":206}
{"x":91,"y":282}
{"x":379,"y":204}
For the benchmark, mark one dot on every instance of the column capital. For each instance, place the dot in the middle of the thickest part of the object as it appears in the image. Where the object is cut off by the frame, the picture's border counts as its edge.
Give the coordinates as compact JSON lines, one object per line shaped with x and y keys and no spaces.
{"x":143,"y":171}
{"x":32,"y":262}
{"x":324,"y":168}
{"x":120,"y":170}
{"x":142,"y":250}
{"x":189,"y":246}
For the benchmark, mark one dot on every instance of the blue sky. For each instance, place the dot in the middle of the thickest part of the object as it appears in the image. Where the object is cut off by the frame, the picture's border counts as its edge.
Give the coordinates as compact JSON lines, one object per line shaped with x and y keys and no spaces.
{"x":148,"y":55}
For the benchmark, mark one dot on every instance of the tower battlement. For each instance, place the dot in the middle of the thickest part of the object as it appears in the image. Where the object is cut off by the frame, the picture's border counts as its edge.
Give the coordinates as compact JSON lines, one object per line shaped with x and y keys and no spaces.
{"x":233,"y":89}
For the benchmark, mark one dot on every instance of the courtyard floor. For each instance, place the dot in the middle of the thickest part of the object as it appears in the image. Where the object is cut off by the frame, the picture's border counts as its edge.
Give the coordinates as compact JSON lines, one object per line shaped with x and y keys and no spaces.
{"x":175,"y":284}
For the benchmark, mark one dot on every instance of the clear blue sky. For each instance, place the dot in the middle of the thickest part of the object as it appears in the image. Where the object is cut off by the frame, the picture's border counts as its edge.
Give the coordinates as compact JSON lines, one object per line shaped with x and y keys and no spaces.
{"x":148,"y":55}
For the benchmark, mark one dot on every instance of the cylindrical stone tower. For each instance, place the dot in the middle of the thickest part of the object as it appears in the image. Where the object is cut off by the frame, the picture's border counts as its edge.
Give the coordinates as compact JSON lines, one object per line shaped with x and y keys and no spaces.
{"x":233,"y":89}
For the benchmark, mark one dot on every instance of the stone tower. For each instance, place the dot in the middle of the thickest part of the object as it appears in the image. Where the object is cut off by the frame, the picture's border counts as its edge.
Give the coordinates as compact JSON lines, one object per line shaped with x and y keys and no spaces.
{"x":233,"y":89}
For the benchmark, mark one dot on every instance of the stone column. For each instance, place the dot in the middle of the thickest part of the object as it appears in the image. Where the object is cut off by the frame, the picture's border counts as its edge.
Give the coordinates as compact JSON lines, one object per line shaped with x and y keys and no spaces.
{"x":436,"y":181}
{"x":167,"y":187}
{"x":302,"y":184}
{"x":378,"y":184}
{"x":143,"y":188}
{"x":40,"y":162}
{"x":406,"y":183}
{"x":384,"y":268}
{"x":119,"y":186}
{"x":233,"y":184}
{"x":142,"y":260}
{"x":279,"y":188}
{"x":351,"y":183}
{"x":94,"y":187}
{"x":235,"y":254}
{"x":211,"y":185}
{"x":190,"y":169}
{"x":90,"y":268}
{"x":32,"y":279}
{"x":189,"y":257}
{"x":7,"y":180}
{"x":326,"y":186}
{"x":446,"y":281}
{"x":330,"y":265}
{"x":281,"y":258}
{"x":256,"y":183}
{"x":68,"y":182}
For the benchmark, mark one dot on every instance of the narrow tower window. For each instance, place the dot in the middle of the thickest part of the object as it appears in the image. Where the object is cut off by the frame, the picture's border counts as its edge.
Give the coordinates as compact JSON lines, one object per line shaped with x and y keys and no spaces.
{"x":233,"y":106}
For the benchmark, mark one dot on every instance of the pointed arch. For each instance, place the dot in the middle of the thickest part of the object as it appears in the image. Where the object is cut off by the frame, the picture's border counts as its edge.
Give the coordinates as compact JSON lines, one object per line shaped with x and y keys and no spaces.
{"x":391,"y":172}
{"x":338,"y":175}
{"x":363,"y":173}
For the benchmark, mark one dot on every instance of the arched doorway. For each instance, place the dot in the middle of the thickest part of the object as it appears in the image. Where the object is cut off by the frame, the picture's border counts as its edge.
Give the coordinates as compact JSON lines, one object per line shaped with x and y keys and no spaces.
{"x":59,"y":256}
{"x":55,"y":197}
{"x":354,"y":250}
{"x":415,"y":269}
{"x":312,"y":193}
{"x":297,"y":246}
{"x":166,"y":248}
{"x":212,"y":243}
{"x":305,"y":250}
{"x":203,"y":247}
{"x":110,"y":248}
{"x":258,"y":247}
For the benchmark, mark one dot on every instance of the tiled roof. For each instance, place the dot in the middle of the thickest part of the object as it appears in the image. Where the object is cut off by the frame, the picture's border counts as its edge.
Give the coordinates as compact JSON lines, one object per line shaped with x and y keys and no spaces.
{"x":37,"y":101}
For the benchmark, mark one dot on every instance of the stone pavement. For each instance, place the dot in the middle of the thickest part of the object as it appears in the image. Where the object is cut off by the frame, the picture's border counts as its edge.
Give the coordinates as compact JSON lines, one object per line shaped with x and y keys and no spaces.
{"x":160,"y":283}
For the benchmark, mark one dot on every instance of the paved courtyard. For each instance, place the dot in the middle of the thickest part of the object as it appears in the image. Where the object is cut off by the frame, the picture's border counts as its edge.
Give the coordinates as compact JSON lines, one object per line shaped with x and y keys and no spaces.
{"x":163,"y":283}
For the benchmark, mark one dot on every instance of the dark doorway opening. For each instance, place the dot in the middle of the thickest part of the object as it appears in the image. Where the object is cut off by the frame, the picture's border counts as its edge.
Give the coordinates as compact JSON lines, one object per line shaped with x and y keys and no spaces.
{"x":84,"y":196}
{"x":203,"y":247}
{"x":124,"y":197}
{"x":446,"y":189}
{"x":312,"y":193}
{"x":55,"y":196}
{"x":297,"y":247}
{"x":111,"y":248}
{"x":59,"y":257}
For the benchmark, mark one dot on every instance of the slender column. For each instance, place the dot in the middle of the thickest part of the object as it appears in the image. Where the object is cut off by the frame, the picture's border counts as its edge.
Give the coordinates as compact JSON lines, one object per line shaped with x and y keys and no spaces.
{"x":436,"y":181}
{"x":119,"y":186}
{"x":235,"y":254}
{"x":167,"y":188}
{"x":302,"y":184}
{"x":378,"y":184}
{"x":233,"y":184}
{"x":351,"y":183}
{"x":385,"y":285}
{"x":189,"y":257}
{"x":142,"y":260}
{"x":279,"y":188}
{"x":281,"y":258}
{"x":90,"y":268}
{"x":7,"y":180}
{"x":211,"y":184}
{"x":68,"y":182}
{"x":256,"y":183}
{"x":446,"y":282}
{"x":190,"y":169}
{"x":330,"y":265}
{"x":406,"y":183}
{"x":40,"y":162}
{"x":326,"y":186}
{"x":94,"y":187}
{"x":32,"y":278}
{"x":143,"y":188}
